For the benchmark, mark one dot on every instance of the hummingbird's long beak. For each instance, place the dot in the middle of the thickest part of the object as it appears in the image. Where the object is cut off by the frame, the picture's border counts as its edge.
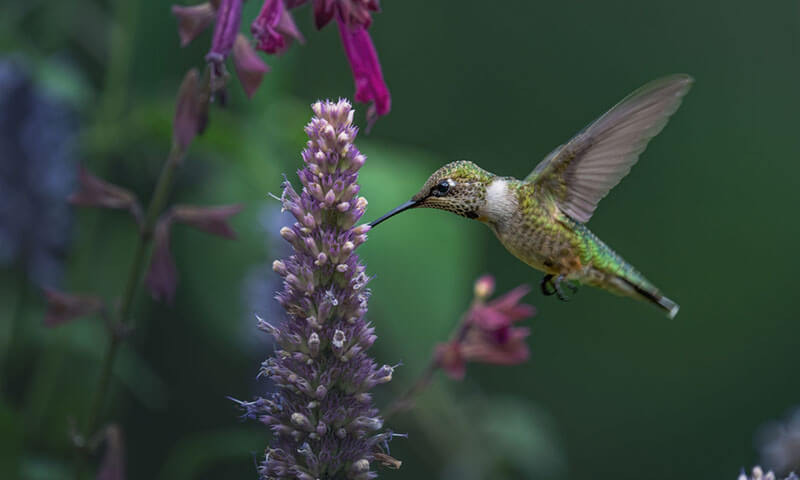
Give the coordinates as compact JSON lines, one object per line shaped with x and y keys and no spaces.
{"x":401,"y":208}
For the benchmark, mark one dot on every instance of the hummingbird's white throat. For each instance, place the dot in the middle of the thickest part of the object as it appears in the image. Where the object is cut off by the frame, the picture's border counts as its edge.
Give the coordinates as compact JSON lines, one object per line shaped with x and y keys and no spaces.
{"x":501,"y":202}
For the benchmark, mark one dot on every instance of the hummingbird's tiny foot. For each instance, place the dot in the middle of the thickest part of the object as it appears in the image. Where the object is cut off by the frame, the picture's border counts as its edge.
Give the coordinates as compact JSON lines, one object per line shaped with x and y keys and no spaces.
{"x":559,"y":280}
{"x":547,"y":285}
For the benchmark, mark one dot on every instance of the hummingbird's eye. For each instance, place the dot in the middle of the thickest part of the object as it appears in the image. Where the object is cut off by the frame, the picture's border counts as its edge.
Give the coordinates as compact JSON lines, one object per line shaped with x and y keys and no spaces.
{"x":441,"y":188}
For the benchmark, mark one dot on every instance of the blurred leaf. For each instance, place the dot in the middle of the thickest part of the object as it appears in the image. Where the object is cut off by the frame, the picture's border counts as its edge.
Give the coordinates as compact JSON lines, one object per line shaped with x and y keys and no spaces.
{"x":11,"y":435}
{"x":197,"y":453}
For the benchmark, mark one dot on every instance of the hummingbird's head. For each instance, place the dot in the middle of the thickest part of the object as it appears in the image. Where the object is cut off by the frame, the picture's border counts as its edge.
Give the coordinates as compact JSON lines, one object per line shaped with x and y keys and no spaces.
{"x":458,"y":187}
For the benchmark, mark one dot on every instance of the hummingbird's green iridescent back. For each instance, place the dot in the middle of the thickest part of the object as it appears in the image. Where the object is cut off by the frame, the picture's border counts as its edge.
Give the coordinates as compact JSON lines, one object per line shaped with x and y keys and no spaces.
{"x":541,"y":219}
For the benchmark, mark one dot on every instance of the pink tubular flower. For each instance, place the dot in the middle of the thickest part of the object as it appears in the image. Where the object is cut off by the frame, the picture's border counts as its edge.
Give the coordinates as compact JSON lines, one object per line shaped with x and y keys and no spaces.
{"x":488,"y":334}
{"x":353,"y":11}
{"x":274,"y":28}
{"x":370,"y":86}
{"x":229,"y":15}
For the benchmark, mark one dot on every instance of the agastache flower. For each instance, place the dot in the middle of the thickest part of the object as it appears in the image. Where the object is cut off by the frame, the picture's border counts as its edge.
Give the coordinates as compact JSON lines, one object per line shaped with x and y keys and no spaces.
{"x":758,"y":474}
{"x":780,"y":443}
{"x":323,"y":421}
{"x":488,"y":334}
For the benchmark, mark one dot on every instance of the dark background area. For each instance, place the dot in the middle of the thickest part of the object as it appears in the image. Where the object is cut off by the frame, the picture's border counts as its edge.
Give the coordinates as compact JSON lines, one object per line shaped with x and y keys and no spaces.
{"x":612,"y":389}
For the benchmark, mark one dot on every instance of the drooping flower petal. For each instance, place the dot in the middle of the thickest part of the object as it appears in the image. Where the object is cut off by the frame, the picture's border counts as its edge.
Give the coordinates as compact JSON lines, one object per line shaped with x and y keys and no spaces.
{"x":96,"y":192}
{"x":112,"y":466}
{"x":366,"y":68}
{"x":64,"y":307}
{"x":192,"y":20}
{"x":502,"y":312}
{"x":191,"y":110}
{"x":274,"y":28}
{"x":162,"y":276}
{"x":484,"y":347}
{"x":249,"y":67}
{"x":213,"y":220}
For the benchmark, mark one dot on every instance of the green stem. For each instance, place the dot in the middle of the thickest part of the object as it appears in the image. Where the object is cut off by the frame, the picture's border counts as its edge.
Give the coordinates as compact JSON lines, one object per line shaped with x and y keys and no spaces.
{"x":157,"y":203}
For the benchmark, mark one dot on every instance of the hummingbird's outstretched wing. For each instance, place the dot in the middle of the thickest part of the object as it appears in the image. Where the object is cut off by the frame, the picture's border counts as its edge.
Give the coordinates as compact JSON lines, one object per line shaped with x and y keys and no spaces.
{"x":581,"y":172}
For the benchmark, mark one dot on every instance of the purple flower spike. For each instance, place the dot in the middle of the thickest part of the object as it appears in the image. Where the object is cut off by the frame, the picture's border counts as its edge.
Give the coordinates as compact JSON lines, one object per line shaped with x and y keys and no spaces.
{"x":249,"y":67}
{"x":274,"y":28}
{"x":321,"y":414}
{"x":229,"y":15}
{"x":192,"y":20}
{"x":370,"y":86}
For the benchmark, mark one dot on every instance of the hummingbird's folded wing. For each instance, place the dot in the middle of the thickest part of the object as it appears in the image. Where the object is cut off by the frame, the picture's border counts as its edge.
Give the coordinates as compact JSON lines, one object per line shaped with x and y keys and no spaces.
{"x":581,"y":172}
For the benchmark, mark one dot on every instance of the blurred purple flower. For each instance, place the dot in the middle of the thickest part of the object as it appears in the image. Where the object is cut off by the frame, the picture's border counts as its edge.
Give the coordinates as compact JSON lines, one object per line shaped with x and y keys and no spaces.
{"x":249,"y":67}
{"x":229,"y":16}
{"x":162,"y":276}
{"x":112,"y":467}
{"x":370,"y":86}
{"x":38,"y":136}
{"x":96,"y":192}
{"x":322,"y":417}
{"x":191,"y":111}
{"x":274,"y":28}
{"x":64,"y":307}
{"x":352,"y":11}
{"x":779,"y":444}
{"x":192,"y":20}
{"x":488,"y":334}
{"x":213,"y":220}
{"x":758,"y":474}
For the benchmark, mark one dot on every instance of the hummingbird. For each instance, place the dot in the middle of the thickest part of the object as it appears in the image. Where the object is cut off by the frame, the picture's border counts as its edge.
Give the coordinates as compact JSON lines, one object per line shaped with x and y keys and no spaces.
{"x":541,"y":219}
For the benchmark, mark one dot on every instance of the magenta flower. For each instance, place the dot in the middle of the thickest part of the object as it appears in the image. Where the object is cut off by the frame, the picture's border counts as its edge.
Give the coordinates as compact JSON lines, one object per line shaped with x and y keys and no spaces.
{"x":353,"y":11}
{"x":488,"y":334}
{"x":229,"y":15}
{"x":274,"y":28}
{"x":370,"y":86}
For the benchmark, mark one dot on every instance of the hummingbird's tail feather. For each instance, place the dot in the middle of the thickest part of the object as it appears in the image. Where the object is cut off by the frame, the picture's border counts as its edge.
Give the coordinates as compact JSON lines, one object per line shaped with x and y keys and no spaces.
{"x":668,"y":306}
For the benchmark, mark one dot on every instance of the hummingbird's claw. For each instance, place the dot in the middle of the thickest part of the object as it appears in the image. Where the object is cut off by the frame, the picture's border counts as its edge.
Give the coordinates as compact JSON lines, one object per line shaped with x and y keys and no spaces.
{"x":559,"y":280}
{"x":547,"y":285}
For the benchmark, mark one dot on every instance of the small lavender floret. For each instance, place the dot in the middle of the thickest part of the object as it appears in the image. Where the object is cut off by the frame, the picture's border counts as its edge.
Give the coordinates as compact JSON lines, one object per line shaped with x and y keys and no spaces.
{"x":323,"y":421}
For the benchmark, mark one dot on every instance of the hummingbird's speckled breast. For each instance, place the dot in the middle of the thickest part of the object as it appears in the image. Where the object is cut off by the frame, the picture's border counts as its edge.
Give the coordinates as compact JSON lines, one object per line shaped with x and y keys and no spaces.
{"x":531,"y":229}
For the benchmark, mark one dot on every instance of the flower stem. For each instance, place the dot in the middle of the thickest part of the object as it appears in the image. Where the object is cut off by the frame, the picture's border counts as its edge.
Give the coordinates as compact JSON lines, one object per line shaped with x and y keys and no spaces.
{"x":116,"y":331}
{"x":406,"y":400}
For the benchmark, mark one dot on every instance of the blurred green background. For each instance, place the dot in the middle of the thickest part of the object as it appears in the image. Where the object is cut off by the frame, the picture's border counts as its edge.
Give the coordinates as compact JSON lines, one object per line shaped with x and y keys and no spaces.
{"x":612,"y":389}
